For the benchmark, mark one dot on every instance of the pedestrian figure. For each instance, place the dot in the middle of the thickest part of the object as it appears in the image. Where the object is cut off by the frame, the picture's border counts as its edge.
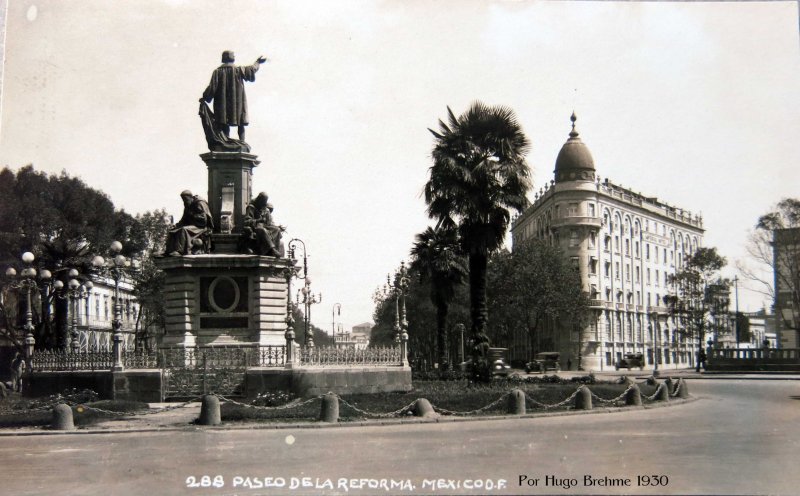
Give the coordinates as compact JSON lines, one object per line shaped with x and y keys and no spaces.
{"x":17,"y":371}
{"x":701,"y":360}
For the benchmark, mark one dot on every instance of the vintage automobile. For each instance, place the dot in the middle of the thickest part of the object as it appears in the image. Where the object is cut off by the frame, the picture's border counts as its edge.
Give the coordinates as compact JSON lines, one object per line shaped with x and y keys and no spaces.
{"x":499,"y":367}
{"x":543,"y":362}
{"x":631,"y":360}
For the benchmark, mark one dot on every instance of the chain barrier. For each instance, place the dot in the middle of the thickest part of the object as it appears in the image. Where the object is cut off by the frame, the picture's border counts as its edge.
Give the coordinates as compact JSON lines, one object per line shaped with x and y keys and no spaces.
{"x":57,"y":399}
{"x":678,"y":385}
{"x":296,"y":403}
{"x":658,"y":390}
{"x":556,"y":405}
{"x":398,"y":412}
{"x":613,"y":400}
{"x":138,"y":414}
{"x":477,"y":410}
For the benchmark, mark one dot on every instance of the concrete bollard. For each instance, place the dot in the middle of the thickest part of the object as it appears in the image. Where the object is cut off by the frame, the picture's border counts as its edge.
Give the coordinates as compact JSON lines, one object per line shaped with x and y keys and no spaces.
{"x":516,"y":402}
{"x":583,"y":400}
{"x":423,"y":408}
{"x":209,"y":411}
{"x":683,"y":389}
{"x":633,"y":397}
{"x":329,"y":411}
{"x":62,"y":418}
{"x":662,"y":394}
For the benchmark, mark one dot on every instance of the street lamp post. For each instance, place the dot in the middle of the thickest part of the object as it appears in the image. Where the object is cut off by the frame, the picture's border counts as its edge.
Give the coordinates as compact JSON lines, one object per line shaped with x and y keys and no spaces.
{"x":309,"y":298}
{"x":116,"y":269}
{"x":28,"y":283}
{"x":655,"y":327}
{"x":336,"y":310}
{"x":76,"y":292}
{"x":736,"y":316}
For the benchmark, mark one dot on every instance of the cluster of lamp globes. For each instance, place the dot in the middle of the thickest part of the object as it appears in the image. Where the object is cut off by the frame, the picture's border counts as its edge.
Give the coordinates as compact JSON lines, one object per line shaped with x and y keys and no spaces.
{"x":98,"y":262}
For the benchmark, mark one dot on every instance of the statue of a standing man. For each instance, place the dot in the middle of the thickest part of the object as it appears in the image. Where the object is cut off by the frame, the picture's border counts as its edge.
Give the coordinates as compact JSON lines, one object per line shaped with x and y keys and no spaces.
{"x":227,"y":90}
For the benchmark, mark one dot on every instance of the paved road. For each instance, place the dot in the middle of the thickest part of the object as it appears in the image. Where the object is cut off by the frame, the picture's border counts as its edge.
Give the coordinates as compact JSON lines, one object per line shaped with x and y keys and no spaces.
{"x":741,"y":437}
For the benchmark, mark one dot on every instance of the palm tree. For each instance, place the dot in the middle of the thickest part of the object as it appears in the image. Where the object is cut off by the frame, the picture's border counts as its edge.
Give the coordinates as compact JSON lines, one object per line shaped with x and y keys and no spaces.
{"x":479,"y":173}
{"x":437,"y":259}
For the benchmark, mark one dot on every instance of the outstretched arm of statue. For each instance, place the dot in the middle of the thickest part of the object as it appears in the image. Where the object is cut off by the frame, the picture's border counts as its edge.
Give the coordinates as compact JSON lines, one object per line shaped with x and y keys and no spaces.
{"x":261,"y":60}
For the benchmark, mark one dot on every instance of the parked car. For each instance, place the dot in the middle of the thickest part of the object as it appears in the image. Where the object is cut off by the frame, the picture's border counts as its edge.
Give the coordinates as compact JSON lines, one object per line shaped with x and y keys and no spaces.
{"x":543,"y":362}
{"x":499,"y":367}
{"x":631,"y":360}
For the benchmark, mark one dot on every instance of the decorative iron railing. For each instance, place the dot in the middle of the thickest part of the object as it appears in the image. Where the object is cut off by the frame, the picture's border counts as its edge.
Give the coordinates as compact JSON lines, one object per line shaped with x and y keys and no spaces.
{"x":93,"y":359}
{"x":268,"y":356}
{"x":209,"y":357}
{"x":332,"y":356}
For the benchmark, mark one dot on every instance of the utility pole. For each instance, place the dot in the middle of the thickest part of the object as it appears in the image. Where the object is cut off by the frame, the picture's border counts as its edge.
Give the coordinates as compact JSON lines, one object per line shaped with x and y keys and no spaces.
{"x":736,"y":317}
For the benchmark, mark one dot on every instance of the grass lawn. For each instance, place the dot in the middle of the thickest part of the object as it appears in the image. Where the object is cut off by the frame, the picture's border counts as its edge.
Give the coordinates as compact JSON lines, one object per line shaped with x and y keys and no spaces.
{"x":455,"y":396}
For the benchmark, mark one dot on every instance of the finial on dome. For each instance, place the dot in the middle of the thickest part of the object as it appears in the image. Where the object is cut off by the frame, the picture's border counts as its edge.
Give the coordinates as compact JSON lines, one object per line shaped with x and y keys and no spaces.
{"x":574,"y":132}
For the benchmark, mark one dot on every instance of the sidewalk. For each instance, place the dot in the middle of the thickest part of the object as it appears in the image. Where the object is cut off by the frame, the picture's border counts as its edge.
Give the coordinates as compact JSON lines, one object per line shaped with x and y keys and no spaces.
{"x":684,"y":373}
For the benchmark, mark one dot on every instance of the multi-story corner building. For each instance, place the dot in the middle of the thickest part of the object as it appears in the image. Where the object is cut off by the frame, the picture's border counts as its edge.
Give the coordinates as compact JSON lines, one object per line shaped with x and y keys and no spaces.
{"x":786,"y":266}
{"x":626,"y":245}
{"x":95,"y":313}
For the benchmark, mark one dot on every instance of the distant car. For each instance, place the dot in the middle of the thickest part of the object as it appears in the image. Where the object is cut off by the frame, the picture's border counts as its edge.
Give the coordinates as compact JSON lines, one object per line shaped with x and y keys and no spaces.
{"x":543,"y":362}
{"x":631,"y":360}
{"x":499,"y":367}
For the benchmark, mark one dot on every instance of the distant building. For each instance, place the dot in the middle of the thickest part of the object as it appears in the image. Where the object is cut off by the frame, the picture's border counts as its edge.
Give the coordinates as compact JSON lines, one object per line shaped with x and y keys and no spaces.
{"x":786,"y":265}
{"x":358,"y":338}
{"x":626,"y":246}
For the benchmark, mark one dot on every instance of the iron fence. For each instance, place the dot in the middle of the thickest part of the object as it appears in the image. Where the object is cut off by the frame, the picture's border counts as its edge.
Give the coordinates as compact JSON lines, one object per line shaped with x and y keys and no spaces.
{"x":333,"y":356}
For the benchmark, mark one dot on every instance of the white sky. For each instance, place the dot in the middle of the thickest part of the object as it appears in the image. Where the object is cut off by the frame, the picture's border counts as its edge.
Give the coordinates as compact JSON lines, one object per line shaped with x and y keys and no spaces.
{"x":696,"y":103}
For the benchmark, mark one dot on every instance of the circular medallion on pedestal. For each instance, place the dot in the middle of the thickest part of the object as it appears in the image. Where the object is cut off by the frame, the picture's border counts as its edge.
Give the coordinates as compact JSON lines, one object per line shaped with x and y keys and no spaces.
{"x":223,"y":294}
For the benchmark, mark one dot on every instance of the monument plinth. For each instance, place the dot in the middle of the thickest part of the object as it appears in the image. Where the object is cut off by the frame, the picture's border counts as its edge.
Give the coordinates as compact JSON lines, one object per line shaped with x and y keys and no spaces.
{"x":230,"y":179}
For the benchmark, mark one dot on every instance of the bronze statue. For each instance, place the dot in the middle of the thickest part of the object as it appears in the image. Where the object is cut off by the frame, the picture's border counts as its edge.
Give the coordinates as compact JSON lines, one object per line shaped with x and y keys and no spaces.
{"x":260,"y":234}
{"x":226,"y":89}
{"x":192,"y":233}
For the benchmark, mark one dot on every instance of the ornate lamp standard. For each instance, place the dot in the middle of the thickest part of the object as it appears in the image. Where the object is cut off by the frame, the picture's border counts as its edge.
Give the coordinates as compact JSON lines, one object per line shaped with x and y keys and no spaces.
{"x":28,"y":283}
{"x":401,"y":322}
{"x":76,"y":291}
{"x":335,"y":310}
{"x":309,"y":298}
{"x":655,"y":328}
{"x":115,"y":268}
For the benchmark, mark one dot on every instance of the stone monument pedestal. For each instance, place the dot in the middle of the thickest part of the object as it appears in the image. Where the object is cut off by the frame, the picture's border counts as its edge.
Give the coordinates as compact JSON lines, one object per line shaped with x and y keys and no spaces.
{"x":223,"y":299}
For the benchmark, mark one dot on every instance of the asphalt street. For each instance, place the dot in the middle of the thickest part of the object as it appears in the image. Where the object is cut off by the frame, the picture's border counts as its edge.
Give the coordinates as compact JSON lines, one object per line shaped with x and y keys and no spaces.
{"x":739,"y":437}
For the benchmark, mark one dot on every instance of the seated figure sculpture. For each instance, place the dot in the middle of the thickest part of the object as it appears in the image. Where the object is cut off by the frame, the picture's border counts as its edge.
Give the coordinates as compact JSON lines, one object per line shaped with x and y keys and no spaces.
{"x":260,"y":235}
{"x":191,"y":234}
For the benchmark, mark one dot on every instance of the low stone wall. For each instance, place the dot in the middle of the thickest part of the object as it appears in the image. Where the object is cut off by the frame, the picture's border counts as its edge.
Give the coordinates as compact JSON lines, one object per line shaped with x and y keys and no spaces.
{"x":138,"y":385}
{"x":147,"y":384}
{"x":47,"y":383}
{"x":315,"y":381}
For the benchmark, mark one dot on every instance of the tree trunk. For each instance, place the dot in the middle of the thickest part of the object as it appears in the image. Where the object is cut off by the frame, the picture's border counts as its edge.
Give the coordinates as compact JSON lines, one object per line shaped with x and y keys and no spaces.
{"x":480,"y":341}
{"x":61,"y":338}
{"x":441,"y":336}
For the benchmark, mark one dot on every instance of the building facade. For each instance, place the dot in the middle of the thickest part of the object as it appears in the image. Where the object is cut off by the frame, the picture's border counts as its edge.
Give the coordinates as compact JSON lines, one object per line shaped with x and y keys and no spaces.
{"x":626,"y":245}
{"x":786,"y":266}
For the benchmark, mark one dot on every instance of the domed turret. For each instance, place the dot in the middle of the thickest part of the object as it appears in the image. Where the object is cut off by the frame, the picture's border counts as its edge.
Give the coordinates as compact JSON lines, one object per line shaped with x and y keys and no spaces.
{"x":574,"y":161}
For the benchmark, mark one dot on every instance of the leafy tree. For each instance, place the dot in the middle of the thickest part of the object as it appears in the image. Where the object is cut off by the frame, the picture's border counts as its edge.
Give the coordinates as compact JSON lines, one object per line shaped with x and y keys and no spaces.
{"x":437,"y":259}
{"x":63,"y":222}
{"x":478,"y":174}
{"x":150,"y":229}
{"x":321,"y":338}
{"x":534,"y":287}
{"x":779,"y":267}
{"x":693,"y":289}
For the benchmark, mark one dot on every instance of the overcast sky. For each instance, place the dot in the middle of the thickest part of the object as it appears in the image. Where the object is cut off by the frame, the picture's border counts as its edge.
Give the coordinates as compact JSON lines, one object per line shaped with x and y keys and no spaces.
{"x":696,"y":103}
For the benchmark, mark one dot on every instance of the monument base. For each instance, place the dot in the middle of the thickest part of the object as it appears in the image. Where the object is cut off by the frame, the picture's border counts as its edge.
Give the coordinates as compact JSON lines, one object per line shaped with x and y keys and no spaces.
{"x":221,"y":299}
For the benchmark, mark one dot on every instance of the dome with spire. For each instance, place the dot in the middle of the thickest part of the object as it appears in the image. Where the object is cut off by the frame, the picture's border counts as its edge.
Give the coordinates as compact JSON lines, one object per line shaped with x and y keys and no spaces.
{"x":574,"y":161}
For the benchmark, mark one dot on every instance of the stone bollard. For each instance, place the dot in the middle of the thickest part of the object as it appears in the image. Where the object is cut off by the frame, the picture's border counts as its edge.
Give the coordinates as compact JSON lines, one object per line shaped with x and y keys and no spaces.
{"x":62,"y":418}
{"x":633,"y":397}
{"x":662,"y":393}
{"x":329,"y":411}
{"x":209,"y":411}
{"x":683,"y":389}
{"x":423,"y":408}
{"x":583,"y":400}
{"x":516,"y":402}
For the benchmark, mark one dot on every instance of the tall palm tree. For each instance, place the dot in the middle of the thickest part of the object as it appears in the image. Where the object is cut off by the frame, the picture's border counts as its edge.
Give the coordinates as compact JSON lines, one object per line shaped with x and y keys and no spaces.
{"x":479,"y":173}
{"x":436,"y":257}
